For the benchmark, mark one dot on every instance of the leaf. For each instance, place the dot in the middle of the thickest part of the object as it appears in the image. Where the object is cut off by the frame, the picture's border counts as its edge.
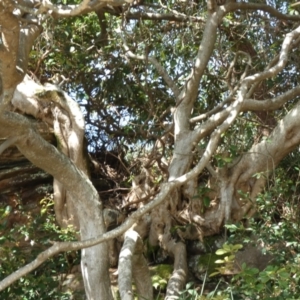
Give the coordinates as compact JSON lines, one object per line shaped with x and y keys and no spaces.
{"x":3,"y":239}
{"x":43,"y":210}
{"x":227,"y":247}
{"x":237,"y":247}
{"x":252,"y":271}
{"x":155,"y":285}
{"x":264,"y":279}
{"x":189,"y":285}
{"x":221,"y":251}
{"x":230,"y":258}
{"x":206,"y":201}
{"x":227,"y":159}
{"x":214,"y":274}
{"x":232,"y":227}
{"x":284,"y":275}
{"x":219,"y":261}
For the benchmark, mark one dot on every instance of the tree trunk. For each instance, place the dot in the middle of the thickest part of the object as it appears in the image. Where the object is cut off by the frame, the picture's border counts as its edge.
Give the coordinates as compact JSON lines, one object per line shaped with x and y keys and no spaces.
{"x":84,"y":196}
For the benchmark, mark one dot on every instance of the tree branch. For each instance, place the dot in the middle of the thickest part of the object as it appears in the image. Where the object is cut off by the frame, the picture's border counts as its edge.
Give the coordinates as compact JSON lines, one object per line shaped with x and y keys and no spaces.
{"x":230,"y":7}
{"x":171,"y":84}
{"x":161,"y":17}
{"x":189,"y":92}
{"x":131,"y":253}
{"x":10,"y":31}
{"x":271,"y":104}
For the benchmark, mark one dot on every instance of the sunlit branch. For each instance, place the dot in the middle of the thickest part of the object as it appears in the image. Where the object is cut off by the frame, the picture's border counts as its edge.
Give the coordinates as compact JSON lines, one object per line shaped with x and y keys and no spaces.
{"x":282,"y":60}
{"x":160,"y":69}
{"x":230,"y":7}
{"x":161,"y":16}
{"x":272,"y":103}
{"x":85,"y":6}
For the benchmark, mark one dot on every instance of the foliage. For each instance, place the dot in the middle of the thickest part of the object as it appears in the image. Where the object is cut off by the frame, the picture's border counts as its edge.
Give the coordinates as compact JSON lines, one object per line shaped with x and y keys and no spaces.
{"x":228,"y":252}
{"x":160,"y":275}
{"x":23,"y":242}
{"x":276,"y":226}
{"x":189,"y":293}
{"x":159,"y":283}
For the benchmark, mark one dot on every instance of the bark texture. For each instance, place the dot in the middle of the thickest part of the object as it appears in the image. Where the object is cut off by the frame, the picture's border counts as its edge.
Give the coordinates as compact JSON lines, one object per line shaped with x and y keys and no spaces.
{"x":132,"y":264}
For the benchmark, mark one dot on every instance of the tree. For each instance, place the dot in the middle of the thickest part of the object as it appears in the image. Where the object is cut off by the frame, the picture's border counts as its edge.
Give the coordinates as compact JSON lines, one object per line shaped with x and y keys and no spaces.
{"x":190,"y":90}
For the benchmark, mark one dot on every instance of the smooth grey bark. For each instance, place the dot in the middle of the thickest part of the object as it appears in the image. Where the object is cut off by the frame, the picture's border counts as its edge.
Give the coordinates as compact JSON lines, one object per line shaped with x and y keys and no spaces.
{"x":177,"y":280}
{"x":263,"y":157}
{"x":132,"y":264}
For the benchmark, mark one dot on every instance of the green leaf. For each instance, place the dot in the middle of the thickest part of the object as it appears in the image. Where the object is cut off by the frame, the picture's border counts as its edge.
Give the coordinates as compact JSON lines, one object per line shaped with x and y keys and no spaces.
{"x":189,"y":285}
{"x":206,"y":201}
{"x":155,"y":285}
{"x":230,"y":258}
{"x":252,"y":271}
{"x":214,"y":274}
{"x":43,"y":210}
{"x":284,"y":275}
{"x":227,"y":247}
{"x":264,"y":279}
{"x":221,"y":251}
{"x":237,"y":247}
{"x":227,"y":159}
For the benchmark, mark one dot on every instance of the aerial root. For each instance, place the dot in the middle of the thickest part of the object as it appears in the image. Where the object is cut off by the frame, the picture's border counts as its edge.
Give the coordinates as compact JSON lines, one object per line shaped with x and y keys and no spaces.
{"x":133,"y":264}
